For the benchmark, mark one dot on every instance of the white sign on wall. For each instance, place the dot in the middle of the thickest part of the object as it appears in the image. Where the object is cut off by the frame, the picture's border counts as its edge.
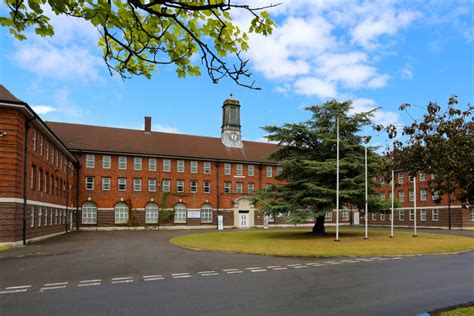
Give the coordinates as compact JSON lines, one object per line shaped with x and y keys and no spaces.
{"x":194,"y":214}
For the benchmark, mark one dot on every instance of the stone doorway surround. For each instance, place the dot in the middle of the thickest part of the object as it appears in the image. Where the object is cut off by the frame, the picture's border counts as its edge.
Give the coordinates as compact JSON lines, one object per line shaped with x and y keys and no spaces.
{"x":244,"y":204}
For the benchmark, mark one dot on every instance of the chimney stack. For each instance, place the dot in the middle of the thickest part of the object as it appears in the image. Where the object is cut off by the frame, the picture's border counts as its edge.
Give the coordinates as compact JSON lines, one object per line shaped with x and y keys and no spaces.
{"x":147,"y":124}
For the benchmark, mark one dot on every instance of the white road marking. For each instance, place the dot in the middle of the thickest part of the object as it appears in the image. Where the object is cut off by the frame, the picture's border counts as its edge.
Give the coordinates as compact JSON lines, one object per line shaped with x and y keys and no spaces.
{"x":54,"y":284}
{"x":233,"y":272}
{"x":271,"y":267}
{"x":277,"y":269}
{"x":173,"y":274}
{"x":396,"y":258}
{"x":153,"y":276}
{"x":336,"y":263}
{"x":88,"y":284}
{"x":226,"y":270}
{"x":88,"y":281}
{"x":181,"y":276}
{"x":14,"y":291}
{"x":154,"y":279}
{"x":209,"y":274}
{"x":253,"y":268}
{"x":122,"y":278}
{"x":210,"y":271}
{"x":122,"y":281}
{"x":299,"y":267}
{"x":52,"y":288}
{"x":294,"y":264}
{"x":18,"y":287}
{"x":260,"y":270}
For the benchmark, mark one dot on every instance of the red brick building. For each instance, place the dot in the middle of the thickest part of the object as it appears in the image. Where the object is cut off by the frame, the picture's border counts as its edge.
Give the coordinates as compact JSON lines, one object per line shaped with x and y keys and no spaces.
{"x":55,"y":177}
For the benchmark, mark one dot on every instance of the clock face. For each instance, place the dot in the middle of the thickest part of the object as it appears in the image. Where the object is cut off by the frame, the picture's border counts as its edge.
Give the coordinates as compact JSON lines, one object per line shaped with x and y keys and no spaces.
{"x":234,"y":136}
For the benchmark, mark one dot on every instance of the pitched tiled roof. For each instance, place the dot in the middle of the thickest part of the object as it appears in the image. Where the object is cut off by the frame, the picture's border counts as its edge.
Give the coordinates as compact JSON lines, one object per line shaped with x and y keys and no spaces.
{"x":128,"y":141}
{"x":8,"y":97}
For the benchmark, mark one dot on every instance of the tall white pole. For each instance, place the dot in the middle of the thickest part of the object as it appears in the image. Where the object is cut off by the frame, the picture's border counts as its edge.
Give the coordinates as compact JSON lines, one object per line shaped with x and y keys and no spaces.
{"x":366,"y":215}
{"x":414,"y":205}
{"x":393,"y":199}
{"x":337,"y":180}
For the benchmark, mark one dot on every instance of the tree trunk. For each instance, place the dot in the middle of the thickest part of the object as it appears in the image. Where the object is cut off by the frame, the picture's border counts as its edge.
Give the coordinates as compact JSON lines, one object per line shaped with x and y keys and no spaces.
{"x":318,"y":227}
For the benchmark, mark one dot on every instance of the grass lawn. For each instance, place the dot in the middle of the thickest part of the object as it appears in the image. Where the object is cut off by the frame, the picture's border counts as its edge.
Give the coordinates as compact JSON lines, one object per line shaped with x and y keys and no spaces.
{"x":460,"y":311}
{"x":4,"y":248}
{"x":303,"y":243}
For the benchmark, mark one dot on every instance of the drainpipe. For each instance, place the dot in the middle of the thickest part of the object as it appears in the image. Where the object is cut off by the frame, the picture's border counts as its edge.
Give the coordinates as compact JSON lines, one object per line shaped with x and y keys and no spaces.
{"x":67,"y":195}
{"x":77,"y":197}
{"x":217,"y":194}
{"x":25,"y":174}
{"x":260,"y":167}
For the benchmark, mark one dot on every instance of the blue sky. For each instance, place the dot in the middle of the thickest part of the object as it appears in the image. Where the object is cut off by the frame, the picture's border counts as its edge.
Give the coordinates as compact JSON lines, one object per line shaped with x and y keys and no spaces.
{"x":378,"y":54}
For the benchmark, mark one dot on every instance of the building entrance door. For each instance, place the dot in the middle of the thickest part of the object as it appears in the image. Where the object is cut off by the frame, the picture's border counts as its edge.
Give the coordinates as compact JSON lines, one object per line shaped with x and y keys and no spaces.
{"x":244,"y":219}
{"x":356,"y":218}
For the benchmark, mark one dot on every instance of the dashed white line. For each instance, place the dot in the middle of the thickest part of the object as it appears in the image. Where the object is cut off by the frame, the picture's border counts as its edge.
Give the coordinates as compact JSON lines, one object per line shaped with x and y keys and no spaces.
{"x":52,"y":288}
{"x":227,"y":270}
{"x":236,"y":271}
{"x":122,"y":278}
{"x":294,"y":264}
{"x":260,"y":270}
{"x":153,"y":276}
{"x":122,"y":281}
{"x":18,"y":287}
{"x":299,"y":267}
{"x":271,"y":267}
{"x":253,"y":268}
{"x":14,"y":291}
{"x":89,"y":281}
{"x":154,"y":279}
{"x":282,"y":268}
{"x":210,"y":271}
{"x":178,"y":274}
{"x":209,"y":274}
{"x":54,"y":284}
{"x":181,"y":276}
{"x":88,"y":284}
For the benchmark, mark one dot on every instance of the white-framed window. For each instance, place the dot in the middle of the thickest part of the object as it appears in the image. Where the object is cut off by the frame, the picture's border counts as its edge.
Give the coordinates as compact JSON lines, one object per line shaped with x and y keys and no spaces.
{"x":206,"y":187}
{"x":151,"y":185}
{"x":207,"y":167}
{"x":269,"y":218}
{"x":45,"y":216}
{"x":137,"y":163}
{"x":227,"y":169}
{"x":89,"y":183}
{"x":411,"y":179}
{"x":121,"y":213}
{"x":251,"y":188}
{"x":401,"y":215}
{"x":90,"y":160}
{"x":434,"y":195}
{"x":423,"y":195}
{"x":40,"y":216}
{"x":56,"y":217}
{"x":382,"y":196}
{"x":328,"y":216}
{"x":193,"y":186}
{"x":32,"y":177}
{"x":227,"y":187}
{"x":194,"y":167}
{"x":382,"y":180}
{"x":279,"y":170}
{"x":122,"y":163}
{"x":239,"y":187}
{"x":344,"y":215}
{"x":423,"y":215}
{"x":269,"y":171}
{"x":106,"y":183}
{"x":106,"y":162}
{"x":33,"y":139}
{"x":41,"y":144}
{"x":411,"y":215}
{"x":382,"y":216}
{"x":180,"y":213}
{"x":137,"y":184}
{"x":166,"y":165}
{"x":374,"y":216}
{"x":401,"y":196}
{"x":400,"y":178}
{"x":151,"y":213}
{"x":122,"y":184}
{"x":51,"y":217}
{"x":180,"y":186}
{"x":239,"y":169}
{"x":32,"y":224}
{"x":180,"y":166}
{"x":250,"y":170}
{"x":206,"y":213}
{"x":422,"y":176}
{"x":411,"y":195}
{"x":166,"y":185}
{"x":151,"y":164}
{"x":435,"y":214}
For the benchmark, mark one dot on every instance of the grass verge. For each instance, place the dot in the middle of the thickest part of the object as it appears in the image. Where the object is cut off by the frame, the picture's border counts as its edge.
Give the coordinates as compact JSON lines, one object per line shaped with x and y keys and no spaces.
{"x":5,"y":248}
{"x":459,"y":311}
{"x":304,"y":244}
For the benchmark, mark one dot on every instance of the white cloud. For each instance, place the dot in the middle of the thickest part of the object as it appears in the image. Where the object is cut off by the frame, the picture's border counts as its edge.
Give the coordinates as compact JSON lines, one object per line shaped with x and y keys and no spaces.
{"x":43,"y":109}
{"x":406,"y":72}
{"x":312,"y":86}
{"x":380,"y":117}
{"x":165,"y":129}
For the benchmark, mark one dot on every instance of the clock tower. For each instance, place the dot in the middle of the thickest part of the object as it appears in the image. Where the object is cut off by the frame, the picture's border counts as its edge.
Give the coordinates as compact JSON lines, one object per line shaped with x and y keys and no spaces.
{"x":230,"y":134}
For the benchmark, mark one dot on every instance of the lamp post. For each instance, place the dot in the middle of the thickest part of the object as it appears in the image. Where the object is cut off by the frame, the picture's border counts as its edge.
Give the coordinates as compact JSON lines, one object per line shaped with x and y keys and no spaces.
{"x":393,"y":195}
{"x":366,"y":214}
{"x":337,"y":179}
{"x":414,"y":205}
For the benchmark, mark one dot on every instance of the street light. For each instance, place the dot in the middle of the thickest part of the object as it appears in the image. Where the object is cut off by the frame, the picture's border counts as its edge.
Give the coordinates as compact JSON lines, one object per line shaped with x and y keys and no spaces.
{"x":366,"y":214}
{"x":337,"y":179}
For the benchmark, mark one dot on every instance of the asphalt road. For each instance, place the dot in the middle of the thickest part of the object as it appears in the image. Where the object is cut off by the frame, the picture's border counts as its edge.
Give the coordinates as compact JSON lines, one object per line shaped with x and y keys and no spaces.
{"x":131,"y":273}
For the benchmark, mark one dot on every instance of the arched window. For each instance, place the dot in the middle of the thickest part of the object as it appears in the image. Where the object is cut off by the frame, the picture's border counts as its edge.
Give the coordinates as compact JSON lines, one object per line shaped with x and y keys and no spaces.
{"x":89,"y":213}
{"x":180,"y":213}
{"x":121,"y":213}
{"x":206,"y":213}
{"x":151,"y":213}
